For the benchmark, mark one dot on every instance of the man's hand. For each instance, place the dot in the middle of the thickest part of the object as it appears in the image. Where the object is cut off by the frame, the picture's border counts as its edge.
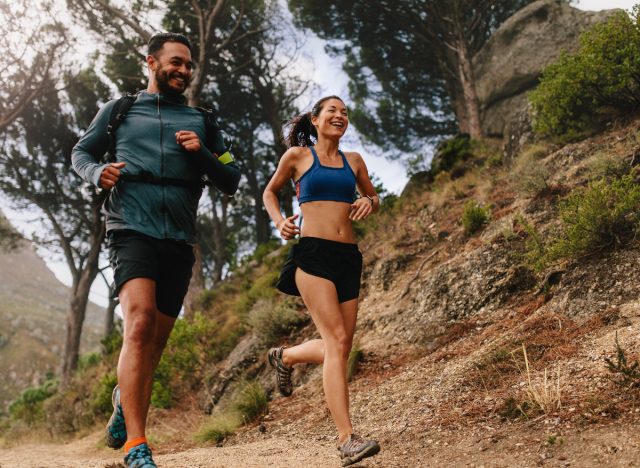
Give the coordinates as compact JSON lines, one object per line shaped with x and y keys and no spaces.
{"x":360,"y":209}
{"x":287,"y":227}
{"x":110,"y":175}
{"x":188,"y":140}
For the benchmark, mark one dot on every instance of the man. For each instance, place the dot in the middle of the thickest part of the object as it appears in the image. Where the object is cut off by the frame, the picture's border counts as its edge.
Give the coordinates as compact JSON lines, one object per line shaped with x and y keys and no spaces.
{"x":155,"y":185}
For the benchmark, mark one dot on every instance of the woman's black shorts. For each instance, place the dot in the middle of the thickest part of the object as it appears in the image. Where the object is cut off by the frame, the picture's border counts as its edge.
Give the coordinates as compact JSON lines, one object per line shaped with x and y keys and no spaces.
{"x":338,"y":262}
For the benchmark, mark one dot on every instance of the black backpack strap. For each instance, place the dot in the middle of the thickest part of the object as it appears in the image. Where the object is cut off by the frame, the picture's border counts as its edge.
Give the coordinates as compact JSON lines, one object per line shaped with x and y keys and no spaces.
{"x":117,"y":116}
{"x":146,"y":177}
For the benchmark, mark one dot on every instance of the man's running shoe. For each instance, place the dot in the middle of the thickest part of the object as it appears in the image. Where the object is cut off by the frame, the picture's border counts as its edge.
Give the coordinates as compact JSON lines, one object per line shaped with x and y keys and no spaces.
{"x":283,"y":373}
{"x":355,"y":448}
{"x":116,"y":430}
{"x":139,"y":457}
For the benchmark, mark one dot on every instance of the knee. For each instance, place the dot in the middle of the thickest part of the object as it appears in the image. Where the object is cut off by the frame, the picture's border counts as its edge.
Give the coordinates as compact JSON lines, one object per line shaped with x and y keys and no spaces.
{"x":341,"y":346}
{"x":140,"y":325}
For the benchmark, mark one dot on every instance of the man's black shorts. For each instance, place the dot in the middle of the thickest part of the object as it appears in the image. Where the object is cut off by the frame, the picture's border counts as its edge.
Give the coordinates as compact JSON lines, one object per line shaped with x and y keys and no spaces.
{"x":339,"y":262}
{"x":169,"y":263}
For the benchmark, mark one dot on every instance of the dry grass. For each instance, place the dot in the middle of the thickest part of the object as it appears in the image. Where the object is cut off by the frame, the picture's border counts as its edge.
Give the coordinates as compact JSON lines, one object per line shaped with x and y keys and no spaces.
{"x":544,"y":395}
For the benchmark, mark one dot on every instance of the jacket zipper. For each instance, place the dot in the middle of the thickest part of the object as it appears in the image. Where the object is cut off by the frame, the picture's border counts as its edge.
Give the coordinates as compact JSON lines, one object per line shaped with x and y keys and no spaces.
{"x":164,"y":202}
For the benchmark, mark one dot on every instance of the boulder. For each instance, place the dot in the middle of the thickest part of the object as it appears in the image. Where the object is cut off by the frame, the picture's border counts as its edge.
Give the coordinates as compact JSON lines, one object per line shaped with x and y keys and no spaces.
{"x":513,"y":58}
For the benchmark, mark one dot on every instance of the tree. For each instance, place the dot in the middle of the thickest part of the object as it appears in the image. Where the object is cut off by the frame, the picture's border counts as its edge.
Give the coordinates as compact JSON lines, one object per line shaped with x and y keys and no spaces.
{"x":409,"y":62}
{"x":35,"y":171}
{"x":27,"y":62}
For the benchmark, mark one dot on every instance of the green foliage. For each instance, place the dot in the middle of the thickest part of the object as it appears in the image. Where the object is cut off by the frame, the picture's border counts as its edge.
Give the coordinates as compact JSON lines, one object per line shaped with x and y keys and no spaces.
{"x":578,"y":90}
{"x":355,"y":356}
{"x":101,"y":394}
{"x":271,"y":321}
{"x":219,"y":427}
{"x":474,"y":216}
{"x":529,"y":173}
{"x":535,"y":247}
{"x":601,"y":215}
{"x":112,"y":343}
{"x":29,"y":407}
{"x":250,"y":401}
{"x":623,"y":373}
{"x":450,"y":153}
{"x":261,"y":288}
{"x":88,"y":360}
{"x":192,"y":343}
{"x":262,"y":250}
{"x":607,"y":165}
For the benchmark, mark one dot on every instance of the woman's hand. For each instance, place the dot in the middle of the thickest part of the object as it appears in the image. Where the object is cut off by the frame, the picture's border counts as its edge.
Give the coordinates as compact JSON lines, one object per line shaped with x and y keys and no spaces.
{"x":360,"y":209}
{"x":287,"y":227}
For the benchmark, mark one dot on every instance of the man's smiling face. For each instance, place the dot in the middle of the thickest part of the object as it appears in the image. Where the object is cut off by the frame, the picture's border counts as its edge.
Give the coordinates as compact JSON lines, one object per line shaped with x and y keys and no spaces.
{"x":173,"y":68}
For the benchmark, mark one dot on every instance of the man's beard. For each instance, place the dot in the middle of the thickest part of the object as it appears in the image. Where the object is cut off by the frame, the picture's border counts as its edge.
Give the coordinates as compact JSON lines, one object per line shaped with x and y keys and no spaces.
{"x":163,"y":78}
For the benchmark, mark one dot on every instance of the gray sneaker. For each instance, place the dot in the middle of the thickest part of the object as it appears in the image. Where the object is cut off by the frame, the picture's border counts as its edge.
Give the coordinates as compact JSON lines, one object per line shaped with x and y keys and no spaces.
{"x":283,"y":373}
{"x":355,"y":448}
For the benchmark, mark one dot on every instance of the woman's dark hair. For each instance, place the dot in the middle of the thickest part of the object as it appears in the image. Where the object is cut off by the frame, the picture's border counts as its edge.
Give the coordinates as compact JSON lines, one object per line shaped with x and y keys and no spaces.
{"x":300,"y":127}
{"x":157,"y":41}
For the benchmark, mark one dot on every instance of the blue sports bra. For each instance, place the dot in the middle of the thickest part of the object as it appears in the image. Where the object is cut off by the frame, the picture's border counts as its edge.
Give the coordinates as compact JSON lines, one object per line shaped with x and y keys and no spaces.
{"x":326,"y":183}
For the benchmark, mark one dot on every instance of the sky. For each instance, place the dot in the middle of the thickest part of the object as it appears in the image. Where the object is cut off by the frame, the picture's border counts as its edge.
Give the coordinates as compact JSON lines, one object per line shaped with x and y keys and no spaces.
{"x":328,"y":73}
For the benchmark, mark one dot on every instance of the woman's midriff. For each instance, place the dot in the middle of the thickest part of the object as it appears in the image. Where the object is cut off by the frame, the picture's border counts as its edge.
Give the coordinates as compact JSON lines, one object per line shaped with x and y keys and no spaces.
{"x":327,"y":220}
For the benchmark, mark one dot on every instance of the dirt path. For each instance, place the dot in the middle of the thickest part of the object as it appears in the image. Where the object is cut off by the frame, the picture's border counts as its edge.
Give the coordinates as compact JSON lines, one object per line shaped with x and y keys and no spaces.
{"x":272,"y":452}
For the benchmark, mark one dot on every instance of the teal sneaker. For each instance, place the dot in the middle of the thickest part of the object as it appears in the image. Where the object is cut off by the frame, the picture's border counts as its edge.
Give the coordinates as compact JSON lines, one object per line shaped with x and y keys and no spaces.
{"x":139,"y":457}
{"x":116,"y":430}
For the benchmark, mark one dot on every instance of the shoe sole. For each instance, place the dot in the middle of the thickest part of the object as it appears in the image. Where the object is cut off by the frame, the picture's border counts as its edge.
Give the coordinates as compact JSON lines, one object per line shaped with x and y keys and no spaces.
{"x":111,"y":441}
{"x":368,"y":452}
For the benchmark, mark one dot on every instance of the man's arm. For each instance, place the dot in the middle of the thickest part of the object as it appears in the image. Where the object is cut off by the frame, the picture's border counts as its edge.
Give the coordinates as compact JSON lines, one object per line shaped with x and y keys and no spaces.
{"x":218,"y":164}
{"x":92,"y":146}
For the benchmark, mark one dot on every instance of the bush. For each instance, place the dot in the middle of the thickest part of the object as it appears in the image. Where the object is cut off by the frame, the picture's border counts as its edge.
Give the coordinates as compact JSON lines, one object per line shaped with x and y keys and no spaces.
{"x":250,"y":401}
{"x":271,"y":321}
{"x":29,"y":406}
{"x":601,"y":215}
{"x":355,"y":356}
{"x":451,"y":152}
{"x":474,"y":217}
{"x":219,"y":427}
{"x":529,"y":173}
{"x":88,"y":360}
{"x":101,"y":394}
{"x":623,"y":373}
{"x":577,"y":91}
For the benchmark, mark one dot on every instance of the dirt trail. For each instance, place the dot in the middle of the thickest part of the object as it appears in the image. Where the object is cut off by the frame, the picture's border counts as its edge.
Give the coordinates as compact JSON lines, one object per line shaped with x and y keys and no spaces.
{"x":272,"y":452}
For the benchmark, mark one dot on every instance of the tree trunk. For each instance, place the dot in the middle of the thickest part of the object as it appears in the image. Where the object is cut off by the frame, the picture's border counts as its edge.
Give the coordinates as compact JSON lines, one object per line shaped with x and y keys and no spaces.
{"x":468,"y":84}
{"x":109,"y":319}
{"x":196,"y":284}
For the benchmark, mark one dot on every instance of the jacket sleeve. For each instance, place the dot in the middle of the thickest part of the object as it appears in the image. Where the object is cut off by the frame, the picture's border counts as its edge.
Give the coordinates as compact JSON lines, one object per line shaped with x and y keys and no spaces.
{"x":92,"y":146}
{"x":215,"y":161}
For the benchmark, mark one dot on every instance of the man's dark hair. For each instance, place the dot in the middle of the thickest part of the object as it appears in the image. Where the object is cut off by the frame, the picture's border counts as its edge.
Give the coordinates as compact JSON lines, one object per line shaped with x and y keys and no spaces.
{"x":157,"y":41}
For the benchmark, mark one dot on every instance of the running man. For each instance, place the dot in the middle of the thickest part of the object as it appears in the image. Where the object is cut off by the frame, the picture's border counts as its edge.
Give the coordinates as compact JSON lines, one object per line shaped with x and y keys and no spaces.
{"x":163,"y":149}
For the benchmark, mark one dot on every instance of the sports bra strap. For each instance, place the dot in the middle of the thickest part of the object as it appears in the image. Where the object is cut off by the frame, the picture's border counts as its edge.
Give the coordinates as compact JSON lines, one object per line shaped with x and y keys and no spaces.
{"x":316,"y":160}
{"x":344,"y":158}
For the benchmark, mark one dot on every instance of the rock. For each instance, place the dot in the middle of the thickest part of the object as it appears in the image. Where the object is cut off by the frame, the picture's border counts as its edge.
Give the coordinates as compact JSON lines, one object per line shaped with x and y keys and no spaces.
{"x":513,"y":58}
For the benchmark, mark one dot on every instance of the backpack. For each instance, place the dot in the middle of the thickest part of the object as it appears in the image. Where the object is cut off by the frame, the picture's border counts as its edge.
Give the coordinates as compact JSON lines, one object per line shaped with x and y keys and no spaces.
{"x":117,"y":116}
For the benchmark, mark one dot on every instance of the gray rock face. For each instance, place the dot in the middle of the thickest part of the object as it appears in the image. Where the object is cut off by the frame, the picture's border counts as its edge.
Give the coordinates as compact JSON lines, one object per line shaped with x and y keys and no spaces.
{"x":512,"y":60}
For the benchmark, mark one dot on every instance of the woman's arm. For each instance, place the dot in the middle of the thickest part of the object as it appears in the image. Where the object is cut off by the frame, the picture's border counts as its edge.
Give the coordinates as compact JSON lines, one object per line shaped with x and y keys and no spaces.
{"x":369,"y":203}
{"x":284,"y":173}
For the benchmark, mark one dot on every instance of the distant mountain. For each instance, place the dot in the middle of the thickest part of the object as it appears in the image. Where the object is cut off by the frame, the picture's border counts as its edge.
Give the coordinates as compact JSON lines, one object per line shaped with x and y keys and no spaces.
{"x":33,"y":309}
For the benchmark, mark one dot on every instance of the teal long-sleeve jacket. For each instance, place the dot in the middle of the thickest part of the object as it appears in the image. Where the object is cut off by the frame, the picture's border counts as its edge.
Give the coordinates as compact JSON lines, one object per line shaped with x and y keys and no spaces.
{"x":146,"y":142}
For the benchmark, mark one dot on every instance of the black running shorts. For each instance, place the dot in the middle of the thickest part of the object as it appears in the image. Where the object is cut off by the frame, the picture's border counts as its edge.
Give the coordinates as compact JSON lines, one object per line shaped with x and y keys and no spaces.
{"x":169,"y":263}
{"x":339,"y":262}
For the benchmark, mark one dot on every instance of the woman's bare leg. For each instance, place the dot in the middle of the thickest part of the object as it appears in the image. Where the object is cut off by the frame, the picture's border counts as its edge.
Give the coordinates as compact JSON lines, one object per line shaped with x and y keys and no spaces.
{"x":321,"y":299}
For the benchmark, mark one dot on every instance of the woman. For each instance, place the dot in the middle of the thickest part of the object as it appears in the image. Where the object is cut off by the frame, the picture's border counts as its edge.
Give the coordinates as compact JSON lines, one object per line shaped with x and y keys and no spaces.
{"x":325,"y":265}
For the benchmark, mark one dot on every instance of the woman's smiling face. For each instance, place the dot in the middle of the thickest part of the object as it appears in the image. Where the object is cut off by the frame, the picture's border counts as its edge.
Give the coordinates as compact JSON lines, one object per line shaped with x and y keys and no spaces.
{"x":333,"y":119}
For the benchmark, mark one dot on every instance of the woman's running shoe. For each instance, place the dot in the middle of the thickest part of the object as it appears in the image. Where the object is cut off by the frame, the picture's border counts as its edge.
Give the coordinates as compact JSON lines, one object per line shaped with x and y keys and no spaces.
{"x":116,"y":430}
{"x":139,"y":457}
{"x":283,"y":373}
{"x":355,"y":448}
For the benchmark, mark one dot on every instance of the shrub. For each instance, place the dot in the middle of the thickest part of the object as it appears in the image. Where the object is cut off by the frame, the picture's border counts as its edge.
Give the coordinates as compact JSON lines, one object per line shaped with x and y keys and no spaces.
{"x":250,"y":401}
{"x":113,"y":341}
{"x":601,"y":215}
{"x":474,"y":216}
{"x":271,"y":321}
{"x":29,"y":407}
{"x":576,"y":91}
{"x":623,"y":373}
{"x":529,"y":173}
{"x":219,"y":427}
{"x":607,"y":165}
{"x":451,"y":152}
{"x":101,"y":394}
{"x":88,"y":360}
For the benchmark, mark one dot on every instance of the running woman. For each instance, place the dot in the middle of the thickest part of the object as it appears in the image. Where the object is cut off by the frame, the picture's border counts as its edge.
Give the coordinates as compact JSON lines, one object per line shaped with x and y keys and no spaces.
{"x":325,"y":265}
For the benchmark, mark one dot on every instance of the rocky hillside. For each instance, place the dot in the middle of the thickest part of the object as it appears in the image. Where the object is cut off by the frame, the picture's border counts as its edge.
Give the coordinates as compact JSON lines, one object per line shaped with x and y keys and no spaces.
{"x":33,"y":305}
